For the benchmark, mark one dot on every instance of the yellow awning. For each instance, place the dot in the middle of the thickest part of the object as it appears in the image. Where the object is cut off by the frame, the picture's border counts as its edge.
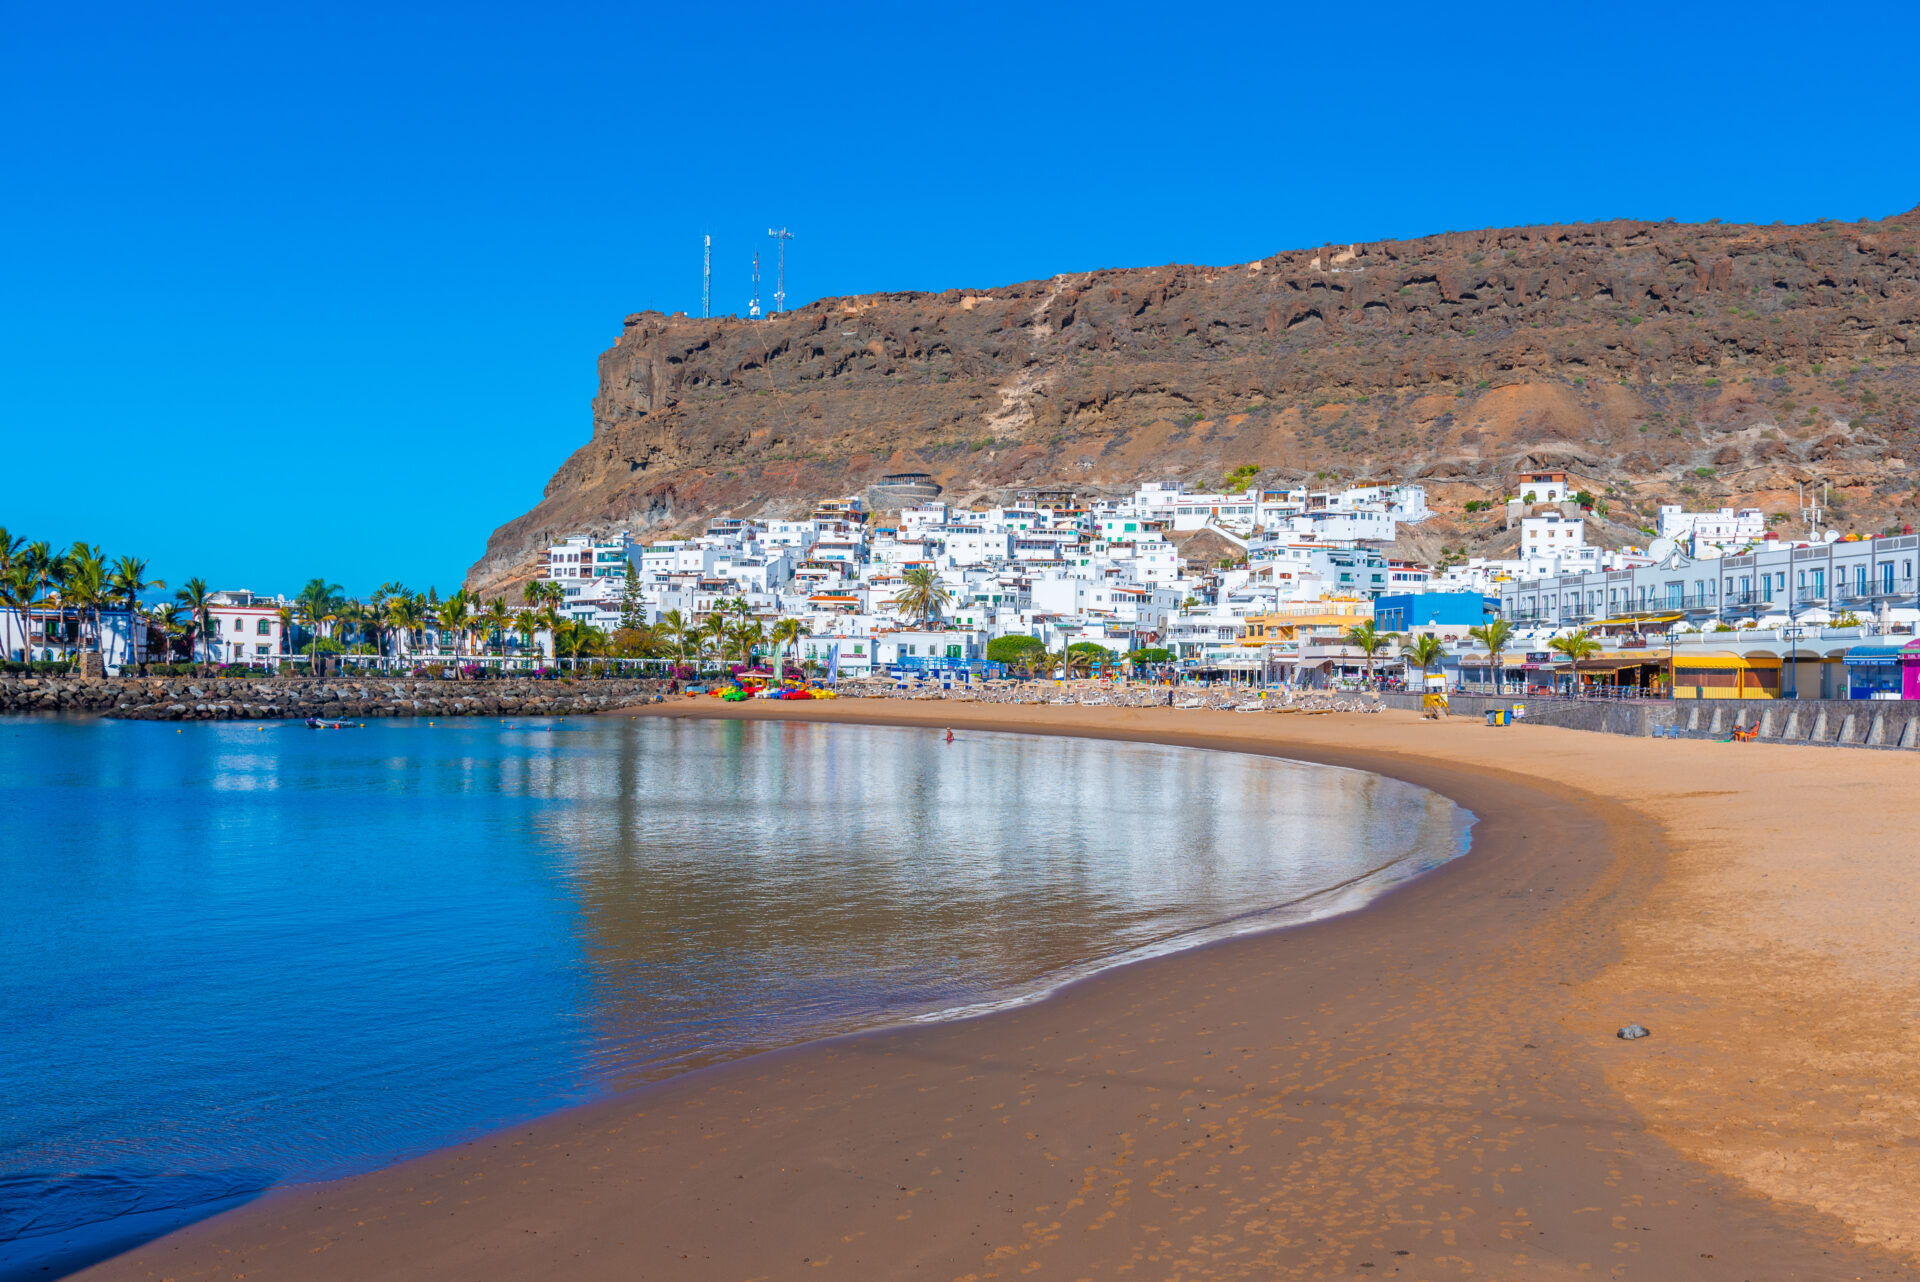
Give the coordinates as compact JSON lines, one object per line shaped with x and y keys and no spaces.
{"x":1636,"y":622}
{"x":1688,"y":662}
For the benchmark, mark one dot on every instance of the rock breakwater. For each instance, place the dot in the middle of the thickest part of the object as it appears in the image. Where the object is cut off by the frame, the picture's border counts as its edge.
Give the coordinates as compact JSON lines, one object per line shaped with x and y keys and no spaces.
{"x":274,"y":698}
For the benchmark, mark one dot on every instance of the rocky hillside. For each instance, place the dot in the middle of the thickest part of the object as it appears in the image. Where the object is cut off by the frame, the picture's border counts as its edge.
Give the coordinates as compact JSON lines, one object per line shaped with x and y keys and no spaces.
{"x":1658,"y":362}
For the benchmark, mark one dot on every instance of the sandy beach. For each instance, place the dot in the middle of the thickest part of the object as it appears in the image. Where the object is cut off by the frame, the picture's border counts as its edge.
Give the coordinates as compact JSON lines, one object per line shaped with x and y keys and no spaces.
{"x":1428,"y":1088}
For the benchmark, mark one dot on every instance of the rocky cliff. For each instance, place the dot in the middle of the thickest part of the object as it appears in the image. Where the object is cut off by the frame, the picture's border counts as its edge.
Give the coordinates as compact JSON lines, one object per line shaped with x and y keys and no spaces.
{"x":1705,"y":364}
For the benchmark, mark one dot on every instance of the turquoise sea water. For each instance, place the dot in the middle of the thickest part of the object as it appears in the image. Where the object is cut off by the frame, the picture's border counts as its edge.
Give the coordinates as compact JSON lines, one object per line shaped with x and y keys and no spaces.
{"x":237,"y":955}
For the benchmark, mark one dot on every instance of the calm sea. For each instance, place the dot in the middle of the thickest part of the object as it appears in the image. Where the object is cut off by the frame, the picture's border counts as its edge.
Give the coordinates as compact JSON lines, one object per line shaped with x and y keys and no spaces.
{"x":238,"y":955}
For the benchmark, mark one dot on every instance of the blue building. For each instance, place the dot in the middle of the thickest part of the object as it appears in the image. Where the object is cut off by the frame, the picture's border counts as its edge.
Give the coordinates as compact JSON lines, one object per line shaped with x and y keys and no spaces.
{"x":1404,"y":611}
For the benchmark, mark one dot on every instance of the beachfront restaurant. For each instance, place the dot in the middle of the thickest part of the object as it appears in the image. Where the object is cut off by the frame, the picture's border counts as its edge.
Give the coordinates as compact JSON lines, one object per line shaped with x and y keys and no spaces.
{"x":1725,"y":675}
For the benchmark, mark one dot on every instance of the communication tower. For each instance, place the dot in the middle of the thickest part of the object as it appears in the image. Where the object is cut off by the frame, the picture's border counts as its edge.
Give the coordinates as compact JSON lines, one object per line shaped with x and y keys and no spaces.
{"x":780,"y":277}
{"x":753,"y":306}
{"x":706,"y":282}
{"x":1812,"y":507}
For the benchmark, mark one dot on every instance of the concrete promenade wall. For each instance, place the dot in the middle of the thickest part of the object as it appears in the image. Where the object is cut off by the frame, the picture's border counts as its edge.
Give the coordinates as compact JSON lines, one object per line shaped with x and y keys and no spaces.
{"x":273,"y":698}
{"x":1850,"y":723}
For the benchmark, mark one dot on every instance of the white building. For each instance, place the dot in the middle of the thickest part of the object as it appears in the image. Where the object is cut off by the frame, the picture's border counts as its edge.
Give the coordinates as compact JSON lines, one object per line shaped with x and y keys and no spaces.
{"x":586,"y":557}
{"x":1720,"y":530}
{"x":1544,"y":487}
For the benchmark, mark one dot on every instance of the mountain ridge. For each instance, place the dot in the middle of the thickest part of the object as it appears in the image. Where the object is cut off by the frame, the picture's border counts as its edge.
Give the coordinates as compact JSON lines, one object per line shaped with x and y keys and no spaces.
{"x":1705,"y":363}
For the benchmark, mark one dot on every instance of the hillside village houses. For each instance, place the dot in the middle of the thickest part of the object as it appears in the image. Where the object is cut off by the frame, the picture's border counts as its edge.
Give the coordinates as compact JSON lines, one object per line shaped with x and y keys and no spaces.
{"x":1290,"y":573}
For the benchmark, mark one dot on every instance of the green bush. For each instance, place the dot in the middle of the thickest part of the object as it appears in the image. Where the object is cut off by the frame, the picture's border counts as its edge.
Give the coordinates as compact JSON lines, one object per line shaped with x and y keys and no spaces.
{"x":1010,"y":649}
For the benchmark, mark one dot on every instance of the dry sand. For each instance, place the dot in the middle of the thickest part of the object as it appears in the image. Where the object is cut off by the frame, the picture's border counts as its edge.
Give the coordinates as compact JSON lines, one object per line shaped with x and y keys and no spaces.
{"x":1429,"y":1088}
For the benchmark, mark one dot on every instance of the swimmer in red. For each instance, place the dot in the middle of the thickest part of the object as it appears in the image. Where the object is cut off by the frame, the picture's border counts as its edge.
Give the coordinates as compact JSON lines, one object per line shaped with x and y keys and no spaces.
{"x":949,"y":734}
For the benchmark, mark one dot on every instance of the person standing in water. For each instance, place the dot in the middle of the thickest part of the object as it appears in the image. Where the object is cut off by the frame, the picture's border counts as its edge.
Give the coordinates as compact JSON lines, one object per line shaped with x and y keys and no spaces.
{"x":949,"y":734}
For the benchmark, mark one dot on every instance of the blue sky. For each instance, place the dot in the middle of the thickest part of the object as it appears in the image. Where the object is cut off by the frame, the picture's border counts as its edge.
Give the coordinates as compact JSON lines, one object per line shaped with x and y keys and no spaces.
{"x":297,"y":290}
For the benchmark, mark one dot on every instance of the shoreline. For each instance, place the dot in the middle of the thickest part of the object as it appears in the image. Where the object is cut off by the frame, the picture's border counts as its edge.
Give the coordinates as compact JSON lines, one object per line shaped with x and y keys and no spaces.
{"x":1430,"y":1069}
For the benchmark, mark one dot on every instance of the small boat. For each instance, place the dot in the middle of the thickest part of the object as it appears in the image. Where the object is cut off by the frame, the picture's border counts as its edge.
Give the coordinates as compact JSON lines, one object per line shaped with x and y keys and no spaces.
{"x":315,"y":723}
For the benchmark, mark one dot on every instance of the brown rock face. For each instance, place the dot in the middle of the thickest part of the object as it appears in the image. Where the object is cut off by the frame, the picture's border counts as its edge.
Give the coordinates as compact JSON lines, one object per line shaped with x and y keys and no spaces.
{"x":1635,"y":354}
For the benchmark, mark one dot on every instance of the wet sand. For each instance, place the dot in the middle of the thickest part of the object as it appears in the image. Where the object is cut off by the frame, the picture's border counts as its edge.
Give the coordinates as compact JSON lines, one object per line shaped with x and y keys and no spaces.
{"x":1428,"y":1088}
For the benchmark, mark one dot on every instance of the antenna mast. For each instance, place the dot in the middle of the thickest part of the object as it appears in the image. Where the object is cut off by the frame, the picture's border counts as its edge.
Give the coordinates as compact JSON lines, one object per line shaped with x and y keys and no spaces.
{"x":706,"y":281}
{"x":753,"y":307}
{"x":780,"y":279}
{"x":1810,"y":510}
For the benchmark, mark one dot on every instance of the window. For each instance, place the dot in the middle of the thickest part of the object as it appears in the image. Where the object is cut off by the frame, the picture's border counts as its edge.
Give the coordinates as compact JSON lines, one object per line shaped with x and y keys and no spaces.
{"x":1886,"y":576}
{"x":1860,"y":580}
{"x":1819,"y":582}
{"x":260,"y":649}
{"x":266,"y":628}
{"x":1676,"y":593}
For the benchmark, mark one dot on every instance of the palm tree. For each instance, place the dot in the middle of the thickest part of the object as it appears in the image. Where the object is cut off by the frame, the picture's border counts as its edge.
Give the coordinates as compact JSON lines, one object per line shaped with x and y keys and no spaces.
{"x":498,"y":617}
{"x":1576,"y":645}
{"x":1424,"y":651}
{"x":36,"y":566}
{"x":199,"y":603}
{"x":713,"y":633}
{"x":405,"y":614}
{"x":17,"y":591}
{"x":582,"y":638}
{"x":922,"y":597}
{"x":452,"y":617}
{"x":166,"y":620}
{"x":786,"y":638}
{"x":527,"y":624}
{"x":552,"y":621}
{"x":316,"y":603}
{"x":1369,"y":641}
{"x":1493,"y":634}
{"x":285,"y":615}
{"x":129,"y":580}
{"x":1075,"y":663}
{"x":679,"y":635}
{"x":746,"y":636}
{"x":88,"y":587}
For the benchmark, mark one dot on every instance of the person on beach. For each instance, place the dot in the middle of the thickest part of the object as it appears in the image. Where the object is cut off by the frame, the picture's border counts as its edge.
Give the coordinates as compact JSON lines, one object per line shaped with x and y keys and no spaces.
{"x":949,"y":734}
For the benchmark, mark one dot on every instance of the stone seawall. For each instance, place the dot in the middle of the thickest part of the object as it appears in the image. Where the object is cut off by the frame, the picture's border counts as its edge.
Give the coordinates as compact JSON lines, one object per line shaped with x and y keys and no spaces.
{"x":186,"y":699}
{"x":1844,"y":723}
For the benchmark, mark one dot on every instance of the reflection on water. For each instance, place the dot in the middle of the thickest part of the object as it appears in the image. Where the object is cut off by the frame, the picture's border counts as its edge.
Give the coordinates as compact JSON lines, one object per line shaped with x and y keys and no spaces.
{"x":243,"y":954}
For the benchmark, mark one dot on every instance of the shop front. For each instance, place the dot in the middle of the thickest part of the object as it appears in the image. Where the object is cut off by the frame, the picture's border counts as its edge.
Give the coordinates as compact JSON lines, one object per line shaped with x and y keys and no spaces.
{"x":1875,"y":672}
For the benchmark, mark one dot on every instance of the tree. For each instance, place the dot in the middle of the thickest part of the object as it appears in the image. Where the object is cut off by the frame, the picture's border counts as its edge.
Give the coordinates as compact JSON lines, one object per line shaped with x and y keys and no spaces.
{"x":128,"y":581}
{"x":1010,"y":649}
{"x":17,"y":591}
{"x":551,"y":622}
{"x":1575,"y":646}
{"x":786,"y":636}
{"x":1091,"y":653}
{"x":1074,"y":661}
{"x":38,"y":568}
{"x":582,"y":639}
{"x":88,"y":587}
{"x":1493,"y":634}
{"x":633,"y":611}
{"x":527,"y":624}
{"x":285,"y":615}
{"x":199,"y":605}
{"x":166,"y":620}
{"x":679,"y":635}
{"x":452,"y":618}
{"x":1370,"y":641}
{"x":922,"y":597}
{"x":498,"y":617}
{"x":713,"y":633}
{"x":1425,"y":651}
{"x":405,"y":616}
{"x":746,"y":636}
